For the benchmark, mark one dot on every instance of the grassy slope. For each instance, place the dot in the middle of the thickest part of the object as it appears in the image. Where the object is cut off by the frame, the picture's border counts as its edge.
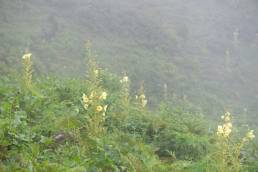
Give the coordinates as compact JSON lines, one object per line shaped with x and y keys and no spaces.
{"x":46,"y":128}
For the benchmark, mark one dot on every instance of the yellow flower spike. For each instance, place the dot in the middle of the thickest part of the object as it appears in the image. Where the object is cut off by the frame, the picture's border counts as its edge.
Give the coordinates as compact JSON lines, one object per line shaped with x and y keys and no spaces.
{"x":142,"y":96}
{"x":26,"y":56}
{"x":99,"y":108}
{"x":227,"y":117}
{"x":225,"y":129}
{"x":227,"y":114}
{"x":27,"y":73}
{"x":125,"y":79}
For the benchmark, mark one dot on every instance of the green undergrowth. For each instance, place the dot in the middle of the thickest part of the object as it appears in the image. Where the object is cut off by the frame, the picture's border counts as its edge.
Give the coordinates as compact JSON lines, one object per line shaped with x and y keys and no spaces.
{"x":96,"y":124}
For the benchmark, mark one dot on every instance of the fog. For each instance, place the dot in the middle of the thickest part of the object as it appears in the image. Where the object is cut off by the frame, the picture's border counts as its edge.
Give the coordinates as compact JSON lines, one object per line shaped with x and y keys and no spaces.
{"x":204,"y":52}
{"x":128,"y":85}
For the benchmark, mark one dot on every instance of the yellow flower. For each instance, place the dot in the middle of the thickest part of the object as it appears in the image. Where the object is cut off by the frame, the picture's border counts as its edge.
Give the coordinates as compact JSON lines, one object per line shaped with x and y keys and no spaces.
{"x":224,"y":130}
{"x":227,"y":131}
{"x":96,"y":72}
{"x":227,"y":118}
{"x":103,"y":96}
{"x":85,"y":106}
{"x":227,"y":114}
{"x":250,"y":135}
{"x":142,"y":96}
{"x":220,"y":130}
{"x":85,"y":98}
{"x":144,"y":103}
{"x":125,"y":79}
{"x":99,"y":108}
{"x":105,"y":108}
{"x":26,"y":56}
{"x":228,"y":125}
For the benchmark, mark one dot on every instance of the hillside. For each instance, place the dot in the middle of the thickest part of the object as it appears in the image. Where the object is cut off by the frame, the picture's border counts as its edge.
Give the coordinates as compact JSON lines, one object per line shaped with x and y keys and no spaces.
{"x":95,"y":124}
{"x":182,"y":44}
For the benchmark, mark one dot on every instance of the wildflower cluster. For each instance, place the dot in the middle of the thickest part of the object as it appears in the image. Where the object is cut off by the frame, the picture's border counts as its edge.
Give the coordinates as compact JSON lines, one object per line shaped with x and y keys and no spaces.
{"x":94,"y":104}
{"x":27,"y":69}
{"x":125,"y":79}
{"x":94,"y":100}
{"x":142,"y":99}
{"x":249,"y":136}
{"x":228,"y":156}
{"x":225,"y":129}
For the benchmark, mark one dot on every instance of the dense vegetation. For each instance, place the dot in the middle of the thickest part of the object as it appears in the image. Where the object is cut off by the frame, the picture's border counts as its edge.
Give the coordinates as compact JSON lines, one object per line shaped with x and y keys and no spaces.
{"x":96,"y":124}
{"x":204,"y":51}
{"x":171,"y":85}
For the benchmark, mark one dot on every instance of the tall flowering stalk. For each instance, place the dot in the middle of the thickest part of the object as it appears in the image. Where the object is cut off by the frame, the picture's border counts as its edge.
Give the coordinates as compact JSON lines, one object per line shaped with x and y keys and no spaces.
{"x":122,"y":114}
{"x":125,"y":90}
{"x":227,"y":157}
{"x":93,"y":73}
{"x":94,"y":103}
{"x":141,"y":97}
{"x":225,"y":129}
{"x":27,"y":70}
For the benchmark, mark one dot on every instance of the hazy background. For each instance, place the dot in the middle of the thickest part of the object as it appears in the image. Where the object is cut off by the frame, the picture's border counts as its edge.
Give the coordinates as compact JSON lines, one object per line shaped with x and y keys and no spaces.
{"x":205,"y":51}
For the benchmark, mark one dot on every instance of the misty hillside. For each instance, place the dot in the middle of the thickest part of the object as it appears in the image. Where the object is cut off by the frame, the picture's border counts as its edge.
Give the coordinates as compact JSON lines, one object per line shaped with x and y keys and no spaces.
{"x":128,"y":86}
{"x":205,"y":51}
